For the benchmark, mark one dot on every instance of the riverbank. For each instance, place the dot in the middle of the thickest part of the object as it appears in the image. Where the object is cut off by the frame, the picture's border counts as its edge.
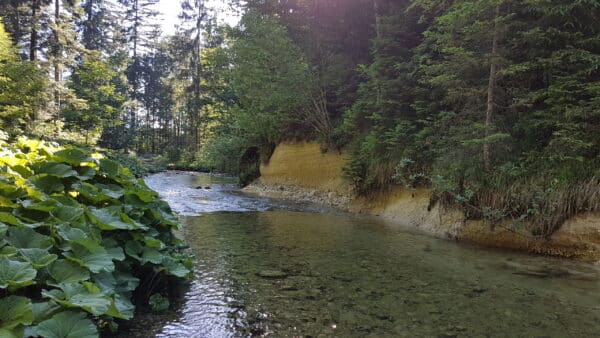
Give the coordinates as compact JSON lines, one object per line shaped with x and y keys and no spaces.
{"x":302,"y":172}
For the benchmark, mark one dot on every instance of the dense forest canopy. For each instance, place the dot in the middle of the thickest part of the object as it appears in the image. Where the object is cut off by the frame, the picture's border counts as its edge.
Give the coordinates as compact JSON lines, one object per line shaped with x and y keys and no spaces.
{"x":494,"y":104}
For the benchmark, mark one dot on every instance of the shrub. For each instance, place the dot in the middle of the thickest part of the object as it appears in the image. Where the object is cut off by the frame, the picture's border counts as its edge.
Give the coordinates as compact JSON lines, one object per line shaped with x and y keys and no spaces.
{"x":78,"y":235}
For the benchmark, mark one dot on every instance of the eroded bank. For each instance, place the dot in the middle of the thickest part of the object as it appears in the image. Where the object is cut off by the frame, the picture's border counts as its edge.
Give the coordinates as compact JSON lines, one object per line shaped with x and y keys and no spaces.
{"x":302,"y":171}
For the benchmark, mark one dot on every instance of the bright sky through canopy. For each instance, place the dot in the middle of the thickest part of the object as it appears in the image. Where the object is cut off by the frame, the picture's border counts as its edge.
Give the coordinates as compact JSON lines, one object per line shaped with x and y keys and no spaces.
{"x":169,"y":10}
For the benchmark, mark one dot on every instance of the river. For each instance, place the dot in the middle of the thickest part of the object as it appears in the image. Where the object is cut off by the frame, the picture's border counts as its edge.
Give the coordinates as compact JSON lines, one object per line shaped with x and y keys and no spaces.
{"x":281,"y":269}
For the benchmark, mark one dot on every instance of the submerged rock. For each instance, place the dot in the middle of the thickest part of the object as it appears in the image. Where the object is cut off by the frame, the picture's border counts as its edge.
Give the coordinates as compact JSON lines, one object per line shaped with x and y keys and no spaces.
{"x":272,"y":274}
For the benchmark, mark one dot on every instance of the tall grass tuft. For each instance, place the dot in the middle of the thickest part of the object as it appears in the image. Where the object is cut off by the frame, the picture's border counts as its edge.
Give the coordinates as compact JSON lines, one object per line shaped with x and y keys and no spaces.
{"x":544,"y":210}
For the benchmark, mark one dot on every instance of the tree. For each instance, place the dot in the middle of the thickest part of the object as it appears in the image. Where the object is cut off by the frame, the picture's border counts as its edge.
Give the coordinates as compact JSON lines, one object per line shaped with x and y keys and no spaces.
{"x":93,"y":82}
{"x":383,"y":122}
{"x":465,"y":60}
{"x":555,"y":80}
{"x":194,"y":18}
{"x":98,"y":24}
{"x":270,"y":79}
{"x":64,"y":48}
{"x":139,"y":33}
{"x":21,"y":88}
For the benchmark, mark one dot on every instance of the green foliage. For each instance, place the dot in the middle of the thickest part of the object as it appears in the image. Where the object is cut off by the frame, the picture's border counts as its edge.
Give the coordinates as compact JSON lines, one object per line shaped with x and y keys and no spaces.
{"x":159,"y":303}
{"x":22,"y":87}
{"x":78,"y":234}
{"x":138,"y":166}
{"x":93,"y":83}
{"x":270,"y":79}
{"x":222,"y":154}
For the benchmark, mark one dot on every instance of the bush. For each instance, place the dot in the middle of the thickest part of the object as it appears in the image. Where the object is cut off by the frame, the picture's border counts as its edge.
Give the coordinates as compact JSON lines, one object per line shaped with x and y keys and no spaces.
{"x":78,"y":235}
{"x":128,"y":161}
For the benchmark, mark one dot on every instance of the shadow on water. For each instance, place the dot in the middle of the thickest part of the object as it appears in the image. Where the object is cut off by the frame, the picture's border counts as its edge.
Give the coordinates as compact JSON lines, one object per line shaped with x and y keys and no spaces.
{"x":270,"y":269}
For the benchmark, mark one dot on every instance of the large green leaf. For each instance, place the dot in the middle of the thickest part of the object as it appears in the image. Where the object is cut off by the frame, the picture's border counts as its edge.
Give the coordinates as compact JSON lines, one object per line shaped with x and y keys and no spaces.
{"x":85,"y":296}
{"x":121,"y":307}
{"x":67,"y":213}
{"x":72,"y":156}
{"x":152,"y":255}
{"x":86,"y":173}
{"x":9,"y":190}
{"x":175,"y":267}
{"x":39,"y":258}
{"x":69,"y":233}
{"x":95,"y":262}
{"x":6,"y":202}
{"x":64,"y":271}
{"x":134,"y":249}
{"x":44,"y":310}
{"x":46,"y":206}
{"x":67,"y":324}
{"x":12,"y":333}
{"x":47,"y":183}
{"x":15,"y":311}
{"x":111,"y":168}
{"x":10,"y":219}
{"x":111,"y":190}
{"x":25,"y":238}
{"x":126,"y":282}
{"x":15,"y":274}
{"x":55,"y":169}
{"x":8,"y":251}
{"x":92,"y":194}
{"x":110,"y":219}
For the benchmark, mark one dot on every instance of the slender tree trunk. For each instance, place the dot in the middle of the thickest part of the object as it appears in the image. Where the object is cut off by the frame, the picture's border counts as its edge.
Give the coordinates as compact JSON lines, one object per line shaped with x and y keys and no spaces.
{"x":35,"y":12}
{"x":135,"y":65}
{"x":198,"y":75}
{"x":15,"y":22}
{"x":491,"y":90}
{"x":57,"y":68}
{"x":89,"y":11}
{"x":377,"y":12}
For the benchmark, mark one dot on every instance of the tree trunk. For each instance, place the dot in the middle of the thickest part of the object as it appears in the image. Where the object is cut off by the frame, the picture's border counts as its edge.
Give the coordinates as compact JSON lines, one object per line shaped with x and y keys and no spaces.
{"x":35,"y":9}
{"x":491,"y":90}
{"x":133,"y":116}
{"x":89,"y":11}
{"x":57,"y":71}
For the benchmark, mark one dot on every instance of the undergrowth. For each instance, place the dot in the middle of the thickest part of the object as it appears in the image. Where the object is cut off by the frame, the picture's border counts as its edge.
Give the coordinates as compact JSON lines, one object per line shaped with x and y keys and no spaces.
{"x":79,"y":237}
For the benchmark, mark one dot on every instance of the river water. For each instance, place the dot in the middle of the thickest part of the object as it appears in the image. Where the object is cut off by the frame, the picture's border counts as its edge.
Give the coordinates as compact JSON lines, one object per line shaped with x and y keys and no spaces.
{"x":279,"y":269}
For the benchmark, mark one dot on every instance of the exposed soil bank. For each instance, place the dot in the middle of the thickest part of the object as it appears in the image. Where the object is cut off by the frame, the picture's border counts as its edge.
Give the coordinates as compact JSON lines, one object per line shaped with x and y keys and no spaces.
{"x":301,"y":171}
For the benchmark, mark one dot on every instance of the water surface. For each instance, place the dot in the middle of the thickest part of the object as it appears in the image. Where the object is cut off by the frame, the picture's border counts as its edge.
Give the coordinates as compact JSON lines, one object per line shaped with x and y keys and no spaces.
{"x":267,"y":268}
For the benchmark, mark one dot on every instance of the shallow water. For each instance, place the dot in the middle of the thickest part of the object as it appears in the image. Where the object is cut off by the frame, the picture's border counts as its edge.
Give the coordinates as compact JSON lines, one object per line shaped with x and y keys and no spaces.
{"x":267,"y":268}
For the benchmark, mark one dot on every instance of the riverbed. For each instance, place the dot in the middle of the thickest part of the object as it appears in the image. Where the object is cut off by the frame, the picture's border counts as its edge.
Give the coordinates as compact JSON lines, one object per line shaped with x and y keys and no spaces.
{"x":282,"y":269}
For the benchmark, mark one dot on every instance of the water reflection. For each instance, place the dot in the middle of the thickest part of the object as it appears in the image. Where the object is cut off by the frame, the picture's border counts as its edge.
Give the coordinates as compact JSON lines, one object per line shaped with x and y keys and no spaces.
{"x":285,"y":273}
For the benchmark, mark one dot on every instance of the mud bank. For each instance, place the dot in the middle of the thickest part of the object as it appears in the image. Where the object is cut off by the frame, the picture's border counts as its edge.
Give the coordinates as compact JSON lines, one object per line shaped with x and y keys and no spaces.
{"x":301,"y":171}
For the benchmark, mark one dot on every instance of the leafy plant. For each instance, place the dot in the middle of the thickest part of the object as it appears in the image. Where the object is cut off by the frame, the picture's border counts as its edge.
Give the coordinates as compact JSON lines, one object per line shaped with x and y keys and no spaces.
{"x":78,"y":235}
{"x":159,"y":303}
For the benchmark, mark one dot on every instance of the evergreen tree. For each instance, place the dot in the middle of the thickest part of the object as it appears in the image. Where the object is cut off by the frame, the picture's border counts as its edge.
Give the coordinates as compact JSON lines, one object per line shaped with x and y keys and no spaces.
{"x":64,"y":48}
{"x":139,"y":33}
{"x":465,"y":58}
{"x":384,"y":112}
{"x":21,"y":88}
{"x":98,"y":25}
{"x":270,"y":79}
{"x":93,"y":83}
{"x":194,"y":19}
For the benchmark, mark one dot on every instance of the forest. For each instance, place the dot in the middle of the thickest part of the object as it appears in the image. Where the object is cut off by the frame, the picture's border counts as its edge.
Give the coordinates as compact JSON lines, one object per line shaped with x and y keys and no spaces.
{"x":492,"y":104}
{"x":495,"y":102}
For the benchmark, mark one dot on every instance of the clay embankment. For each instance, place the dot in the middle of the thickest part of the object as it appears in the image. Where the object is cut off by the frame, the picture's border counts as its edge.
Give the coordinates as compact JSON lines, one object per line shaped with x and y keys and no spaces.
{"x":301,"y":171}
